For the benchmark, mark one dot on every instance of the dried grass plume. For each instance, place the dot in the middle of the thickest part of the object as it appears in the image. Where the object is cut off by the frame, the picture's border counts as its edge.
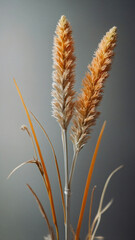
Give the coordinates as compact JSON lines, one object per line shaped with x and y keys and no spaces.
{"x":63,"y":74}
{"x":84,"y":113}
{"x":91,"y":94}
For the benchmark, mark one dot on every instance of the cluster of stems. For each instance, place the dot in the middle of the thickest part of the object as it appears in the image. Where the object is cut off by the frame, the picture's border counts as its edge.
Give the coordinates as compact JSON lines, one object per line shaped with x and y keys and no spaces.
{"x":83,"y":113}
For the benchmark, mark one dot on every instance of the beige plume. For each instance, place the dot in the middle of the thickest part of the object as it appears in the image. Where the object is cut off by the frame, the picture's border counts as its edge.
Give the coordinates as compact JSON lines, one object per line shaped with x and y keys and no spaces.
{"x":63,"y":74}
{"x":91,"y":94}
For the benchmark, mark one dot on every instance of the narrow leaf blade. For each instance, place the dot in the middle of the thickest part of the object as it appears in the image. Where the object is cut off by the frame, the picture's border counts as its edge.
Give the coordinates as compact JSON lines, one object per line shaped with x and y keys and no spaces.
{"x":88,"y":182}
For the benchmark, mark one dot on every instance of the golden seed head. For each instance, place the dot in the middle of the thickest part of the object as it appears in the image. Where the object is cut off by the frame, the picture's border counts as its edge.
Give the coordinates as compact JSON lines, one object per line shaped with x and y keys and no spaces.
{"x":63,"y":74}
{"x":91,"y":93}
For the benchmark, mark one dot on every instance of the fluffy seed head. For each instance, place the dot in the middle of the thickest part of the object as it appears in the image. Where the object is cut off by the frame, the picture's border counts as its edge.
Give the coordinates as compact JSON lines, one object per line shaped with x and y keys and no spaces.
{"x":92,"y":87}
{"x":63,"y":74}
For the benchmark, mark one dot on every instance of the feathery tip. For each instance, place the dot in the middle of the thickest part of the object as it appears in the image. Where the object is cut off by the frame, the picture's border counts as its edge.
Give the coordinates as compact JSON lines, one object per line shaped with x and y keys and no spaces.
{"x":113,"y":30}
{"x":63,"y":20}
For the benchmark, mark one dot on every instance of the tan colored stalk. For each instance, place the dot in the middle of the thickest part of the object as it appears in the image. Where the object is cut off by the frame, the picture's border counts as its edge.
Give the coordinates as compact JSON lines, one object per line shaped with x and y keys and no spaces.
{"x":67,"y":189}
{"x":91,"y":94}
{"x":63,"y":75}
{"x":63,"y":94}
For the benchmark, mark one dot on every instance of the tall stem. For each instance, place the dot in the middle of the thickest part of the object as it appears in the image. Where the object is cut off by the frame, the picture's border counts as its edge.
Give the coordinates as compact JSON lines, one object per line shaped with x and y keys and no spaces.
{"x":67,"y":189}
{"x":73,"y":166}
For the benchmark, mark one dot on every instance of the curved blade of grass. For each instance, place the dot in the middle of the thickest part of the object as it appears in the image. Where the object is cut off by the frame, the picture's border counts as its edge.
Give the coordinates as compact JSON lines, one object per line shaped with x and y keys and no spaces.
{"x":100,"y":210}
{"x":22,"y":164}
{"x":42,"y":161}
{"x":56,"y":163}
{"x":105,"y":187}
{"x":39,"y":165}
{"x":98,"y":215}
{"x":88,"y":182}
{"x":41,"y":209}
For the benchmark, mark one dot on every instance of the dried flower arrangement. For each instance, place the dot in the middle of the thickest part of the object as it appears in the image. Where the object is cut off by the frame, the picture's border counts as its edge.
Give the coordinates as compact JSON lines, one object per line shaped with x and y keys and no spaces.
{"x":83,"y":112}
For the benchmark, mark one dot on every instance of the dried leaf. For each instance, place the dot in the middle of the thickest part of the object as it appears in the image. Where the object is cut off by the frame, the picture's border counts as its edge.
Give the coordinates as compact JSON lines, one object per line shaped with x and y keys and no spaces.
{"x":22,"y":164}
{"x":41,"y":209}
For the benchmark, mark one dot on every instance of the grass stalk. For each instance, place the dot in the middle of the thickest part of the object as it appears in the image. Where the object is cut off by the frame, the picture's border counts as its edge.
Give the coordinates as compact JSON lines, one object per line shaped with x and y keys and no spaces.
{"x":73,"y":167}
{"x":67,"y":189}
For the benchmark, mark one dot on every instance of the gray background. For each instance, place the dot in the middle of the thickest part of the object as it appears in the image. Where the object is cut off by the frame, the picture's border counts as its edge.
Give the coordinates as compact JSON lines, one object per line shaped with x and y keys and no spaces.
{"x":26,"y":38}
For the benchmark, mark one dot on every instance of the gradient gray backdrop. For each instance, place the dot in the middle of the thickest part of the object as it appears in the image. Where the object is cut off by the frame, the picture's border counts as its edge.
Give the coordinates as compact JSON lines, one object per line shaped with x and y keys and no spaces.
{"x":26,"y":38}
